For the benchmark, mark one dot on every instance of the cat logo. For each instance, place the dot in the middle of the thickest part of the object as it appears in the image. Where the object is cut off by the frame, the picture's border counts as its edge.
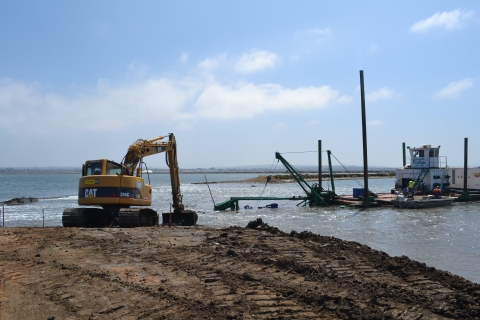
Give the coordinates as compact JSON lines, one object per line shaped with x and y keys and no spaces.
{"x":90,"y":193}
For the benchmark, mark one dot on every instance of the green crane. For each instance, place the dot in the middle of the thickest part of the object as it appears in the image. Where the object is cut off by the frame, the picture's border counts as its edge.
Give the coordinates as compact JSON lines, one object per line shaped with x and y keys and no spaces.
{"x":315,"y":195}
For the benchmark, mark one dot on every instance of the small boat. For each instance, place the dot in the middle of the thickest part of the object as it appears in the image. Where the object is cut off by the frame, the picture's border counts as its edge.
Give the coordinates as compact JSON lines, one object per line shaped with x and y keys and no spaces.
{"x":272,"y":206}
{"x":248,"y":207}
{"x":19,"y":201}
{"x":423,"y":202}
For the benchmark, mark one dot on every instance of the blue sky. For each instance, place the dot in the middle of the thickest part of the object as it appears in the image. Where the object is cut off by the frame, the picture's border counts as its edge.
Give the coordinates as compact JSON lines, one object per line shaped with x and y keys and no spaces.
{"x":237,"y":81}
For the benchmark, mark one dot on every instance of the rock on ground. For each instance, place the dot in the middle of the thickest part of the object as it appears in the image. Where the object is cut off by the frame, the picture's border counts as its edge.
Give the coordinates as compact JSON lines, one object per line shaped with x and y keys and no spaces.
{"x":256,"y":272}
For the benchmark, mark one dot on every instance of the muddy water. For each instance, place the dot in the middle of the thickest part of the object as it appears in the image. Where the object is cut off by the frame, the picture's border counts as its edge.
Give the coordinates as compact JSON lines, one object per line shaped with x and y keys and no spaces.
{"x":445,"y":238}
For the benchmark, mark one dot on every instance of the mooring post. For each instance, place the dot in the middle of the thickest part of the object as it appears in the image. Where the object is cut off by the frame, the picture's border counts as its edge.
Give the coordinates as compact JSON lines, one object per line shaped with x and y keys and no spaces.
{"x":320,"y":164}
{"x":43,"y":218}
{"x":465,"y":166}
{"x":329,"y":153}
{"x":364,"y":137}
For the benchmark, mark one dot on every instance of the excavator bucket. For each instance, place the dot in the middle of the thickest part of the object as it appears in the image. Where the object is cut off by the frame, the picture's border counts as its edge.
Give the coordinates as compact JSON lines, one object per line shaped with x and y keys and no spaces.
{"x":183,"y":218}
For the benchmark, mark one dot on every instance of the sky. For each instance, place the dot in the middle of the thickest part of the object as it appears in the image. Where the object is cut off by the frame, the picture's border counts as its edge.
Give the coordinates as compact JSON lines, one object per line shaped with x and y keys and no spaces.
{"x":237,"y":81}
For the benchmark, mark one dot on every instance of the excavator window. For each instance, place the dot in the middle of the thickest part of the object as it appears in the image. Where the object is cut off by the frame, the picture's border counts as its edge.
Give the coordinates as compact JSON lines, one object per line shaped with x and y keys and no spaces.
{"x":94,"y":168}
{"x":114,"y":168}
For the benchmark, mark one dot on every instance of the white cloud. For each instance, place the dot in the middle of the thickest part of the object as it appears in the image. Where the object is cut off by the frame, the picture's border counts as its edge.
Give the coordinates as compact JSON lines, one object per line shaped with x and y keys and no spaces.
{"x":313,"y":37}
{"x":184,"y":57}
{"x":279,"y":126}
{"x":344,"y":100}
{"x":137,"y":69}
{"x":374,"y":123}
{"x":311,"y":123}
{"x":381,"y":94}
{"x":212,"y":63}
{"x":27,"y":109}
{"x":449,"y":20}
{"x":247,"y":100}
{"x":102,"y":84}
{"x":257,"y":61}
{"x":372,"y":49}
{"x":317,"y":35}
{"x":454,"y":89}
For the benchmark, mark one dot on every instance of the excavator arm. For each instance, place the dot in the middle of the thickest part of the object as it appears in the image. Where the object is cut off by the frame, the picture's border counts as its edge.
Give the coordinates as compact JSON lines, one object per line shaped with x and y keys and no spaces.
{"x":143,"y":148}
{"x":172,"y":163}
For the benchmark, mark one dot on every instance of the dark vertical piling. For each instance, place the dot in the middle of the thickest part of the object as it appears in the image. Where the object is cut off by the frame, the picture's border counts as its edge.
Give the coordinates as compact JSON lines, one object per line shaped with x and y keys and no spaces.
{"x":320,"y":164}
{"x":404,"y":155}
{"x":465,"y":166}
{"x":364,"y":137}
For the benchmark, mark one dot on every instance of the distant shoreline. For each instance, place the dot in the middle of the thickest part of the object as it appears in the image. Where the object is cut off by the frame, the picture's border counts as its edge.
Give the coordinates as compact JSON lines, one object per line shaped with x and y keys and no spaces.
{"x":373,"y":173}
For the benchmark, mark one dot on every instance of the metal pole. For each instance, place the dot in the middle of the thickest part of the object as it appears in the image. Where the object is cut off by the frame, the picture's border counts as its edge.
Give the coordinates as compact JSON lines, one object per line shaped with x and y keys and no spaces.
{"x":331,"y":171}
{"x":465,"y":166}
{"x":364,"y":137}
{"x":320,"y":164}
{"x":209,"y":190}
{"x":404,"y":157}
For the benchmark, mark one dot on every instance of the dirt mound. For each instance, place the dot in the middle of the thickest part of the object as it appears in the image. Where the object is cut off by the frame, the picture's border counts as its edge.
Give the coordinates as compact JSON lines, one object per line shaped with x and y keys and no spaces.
{"x":263,"y":180}
{"x":256,"y":272}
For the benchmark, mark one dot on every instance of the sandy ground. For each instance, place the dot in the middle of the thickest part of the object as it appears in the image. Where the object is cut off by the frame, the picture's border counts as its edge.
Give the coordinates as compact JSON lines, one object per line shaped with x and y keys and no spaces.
{"x":254,"y":272}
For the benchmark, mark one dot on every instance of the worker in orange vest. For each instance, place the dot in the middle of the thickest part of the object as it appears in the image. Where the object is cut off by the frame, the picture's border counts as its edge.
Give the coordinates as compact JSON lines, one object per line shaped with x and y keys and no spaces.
{"x":437,"y":192}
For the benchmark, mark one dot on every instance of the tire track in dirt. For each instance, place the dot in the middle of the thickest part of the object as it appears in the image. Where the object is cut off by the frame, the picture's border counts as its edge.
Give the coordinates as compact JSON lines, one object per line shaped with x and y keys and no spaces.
{"x":256,"y":272}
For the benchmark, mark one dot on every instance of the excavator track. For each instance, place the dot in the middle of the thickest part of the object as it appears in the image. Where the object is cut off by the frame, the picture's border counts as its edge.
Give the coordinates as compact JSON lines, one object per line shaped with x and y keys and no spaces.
{"x":131,"y":218}
{"x":86,"y":217}
{"x":74,"y":217}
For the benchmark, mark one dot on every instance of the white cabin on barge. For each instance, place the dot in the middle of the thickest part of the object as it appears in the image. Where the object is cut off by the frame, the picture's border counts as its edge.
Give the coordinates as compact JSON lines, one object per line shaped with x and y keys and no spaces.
{"x":426,"y":167}
{"x":425,"y":164}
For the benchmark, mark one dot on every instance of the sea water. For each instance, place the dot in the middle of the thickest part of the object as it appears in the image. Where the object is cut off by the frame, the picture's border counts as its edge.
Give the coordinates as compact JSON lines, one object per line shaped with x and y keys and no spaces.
{"x":447,"y":238}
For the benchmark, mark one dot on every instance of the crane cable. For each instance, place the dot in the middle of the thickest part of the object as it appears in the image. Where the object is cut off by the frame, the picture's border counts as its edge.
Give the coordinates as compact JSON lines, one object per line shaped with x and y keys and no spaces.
{"x":357,"y":181}
{"x":272,"y":169}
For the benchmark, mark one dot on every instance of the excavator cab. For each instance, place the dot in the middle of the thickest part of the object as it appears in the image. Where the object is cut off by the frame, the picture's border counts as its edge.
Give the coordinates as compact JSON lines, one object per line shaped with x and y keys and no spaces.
{"x":103,"y":184}
{"x":94,"y":167}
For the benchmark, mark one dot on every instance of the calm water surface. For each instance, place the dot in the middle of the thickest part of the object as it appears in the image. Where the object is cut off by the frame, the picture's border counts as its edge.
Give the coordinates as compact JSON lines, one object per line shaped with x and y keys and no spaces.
{"x":445,"y":238}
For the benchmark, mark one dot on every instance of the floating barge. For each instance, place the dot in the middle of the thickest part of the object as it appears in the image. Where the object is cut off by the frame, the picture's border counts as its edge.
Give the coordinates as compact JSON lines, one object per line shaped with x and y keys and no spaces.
{"x":420,"y":202}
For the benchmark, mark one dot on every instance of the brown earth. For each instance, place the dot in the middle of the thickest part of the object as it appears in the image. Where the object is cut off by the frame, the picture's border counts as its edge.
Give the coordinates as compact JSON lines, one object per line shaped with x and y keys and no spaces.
{"x":285,"y":179}
{"x":257,"y":272}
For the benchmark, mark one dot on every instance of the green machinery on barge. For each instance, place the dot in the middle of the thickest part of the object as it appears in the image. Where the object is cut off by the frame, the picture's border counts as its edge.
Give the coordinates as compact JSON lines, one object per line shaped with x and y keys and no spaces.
{"x":315,"y":195}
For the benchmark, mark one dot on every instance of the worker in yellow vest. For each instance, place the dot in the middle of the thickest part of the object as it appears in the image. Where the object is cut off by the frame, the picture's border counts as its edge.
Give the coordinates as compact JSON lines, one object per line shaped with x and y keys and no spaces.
{"x":411,"y":186}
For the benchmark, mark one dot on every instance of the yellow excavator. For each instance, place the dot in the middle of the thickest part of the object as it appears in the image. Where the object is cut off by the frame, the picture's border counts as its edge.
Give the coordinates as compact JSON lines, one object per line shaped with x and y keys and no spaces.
{"x":121,"y":192}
